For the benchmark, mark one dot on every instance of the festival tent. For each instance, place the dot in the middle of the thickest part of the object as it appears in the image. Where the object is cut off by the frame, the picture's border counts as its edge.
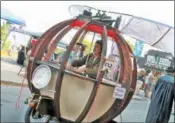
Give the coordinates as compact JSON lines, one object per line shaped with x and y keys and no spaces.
{"x":149,"y":31}
{"x":27,"y":32}
{"x":11,"y":18}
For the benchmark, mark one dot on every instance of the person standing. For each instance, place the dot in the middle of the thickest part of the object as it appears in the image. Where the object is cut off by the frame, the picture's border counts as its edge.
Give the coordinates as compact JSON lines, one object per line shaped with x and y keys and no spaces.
{"x":90,"y":63}
{"x":149,"y":85}
{"x":162,"y":98}
{"x":140,"y":81}
{"x":21,"y":56}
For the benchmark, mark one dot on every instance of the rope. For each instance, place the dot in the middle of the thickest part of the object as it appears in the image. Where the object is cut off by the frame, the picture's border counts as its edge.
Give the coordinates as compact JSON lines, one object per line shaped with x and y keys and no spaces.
{"x":20,"y":93}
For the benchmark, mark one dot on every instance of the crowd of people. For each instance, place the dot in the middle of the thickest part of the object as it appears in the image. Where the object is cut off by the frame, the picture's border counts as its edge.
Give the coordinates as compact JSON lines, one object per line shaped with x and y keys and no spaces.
{"x":146,"y":79}
{"x":159,"y":87}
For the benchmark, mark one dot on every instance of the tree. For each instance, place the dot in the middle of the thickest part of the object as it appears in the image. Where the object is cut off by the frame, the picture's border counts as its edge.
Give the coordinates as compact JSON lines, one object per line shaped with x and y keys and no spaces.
{"x":131,"y":45}
{"x":4,"y":32}
{"x":87,"y":43}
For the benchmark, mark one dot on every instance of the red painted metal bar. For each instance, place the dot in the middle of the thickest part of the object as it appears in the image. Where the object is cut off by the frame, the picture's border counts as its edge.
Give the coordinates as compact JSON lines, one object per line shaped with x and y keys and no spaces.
{"x":94,"y":28}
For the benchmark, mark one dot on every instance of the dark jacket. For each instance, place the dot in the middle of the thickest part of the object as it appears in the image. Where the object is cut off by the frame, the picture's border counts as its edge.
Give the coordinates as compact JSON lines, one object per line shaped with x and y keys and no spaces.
{"x":21,"y":57}
{"x":91,"y":66}
{"x":161,"y":100}
{"x":90,"y":62}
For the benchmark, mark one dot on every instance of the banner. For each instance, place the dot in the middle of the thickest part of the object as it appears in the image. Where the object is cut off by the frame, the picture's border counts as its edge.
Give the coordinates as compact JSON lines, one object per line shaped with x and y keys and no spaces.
{"x":156,"y":60}
{"x":138,"y":48}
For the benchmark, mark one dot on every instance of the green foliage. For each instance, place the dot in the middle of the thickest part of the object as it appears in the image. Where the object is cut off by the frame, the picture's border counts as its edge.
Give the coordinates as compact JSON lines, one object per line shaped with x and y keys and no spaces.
{"x":131,"y":45}
{"x":59,"y":50}
{"x":88,"y":45}
{"x":6,"y":45}
{"x":4,"y":32}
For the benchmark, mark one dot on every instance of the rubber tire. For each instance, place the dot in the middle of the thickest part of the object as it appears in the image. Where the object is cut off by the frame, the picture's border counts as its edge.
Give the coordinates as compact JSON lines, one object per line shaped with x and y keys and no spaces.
{"x":27,"y":114}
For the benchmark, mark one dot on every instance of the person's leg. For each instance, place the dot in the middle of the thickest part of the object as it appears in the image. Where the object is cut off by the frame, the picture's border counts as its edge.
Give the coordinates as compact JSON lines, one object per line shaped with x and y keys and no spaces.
{"x":20,"y":70}
{"x":138,"y":87}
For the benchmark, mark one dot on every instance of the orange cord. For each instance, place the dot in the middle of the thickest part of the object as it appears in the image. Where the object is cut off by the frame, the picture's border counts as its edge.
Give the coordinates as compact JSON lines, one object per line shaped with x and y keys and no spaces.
{"x":22,"y":85}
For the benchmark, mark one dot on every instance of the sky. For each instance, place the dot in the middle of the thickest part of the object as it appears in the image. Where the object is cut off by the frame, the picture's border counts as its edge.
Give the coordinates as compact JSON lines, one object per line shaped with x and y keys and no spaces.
{"x":41,"y":15}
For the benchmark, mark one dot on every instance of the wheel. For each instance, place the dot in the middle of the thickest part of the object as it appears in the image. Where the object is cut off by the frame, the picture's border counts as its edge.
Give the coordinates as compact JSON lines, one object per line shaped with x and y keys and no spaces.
{"x":27,"y":114}
{"x":31,"y":115}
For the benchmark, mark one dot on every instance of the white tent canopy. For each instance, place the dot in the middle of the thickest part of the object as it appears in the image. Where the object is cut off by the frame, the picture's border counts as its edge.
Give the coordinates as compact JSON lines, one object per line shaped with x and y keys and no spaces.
{"x":154,"y":33}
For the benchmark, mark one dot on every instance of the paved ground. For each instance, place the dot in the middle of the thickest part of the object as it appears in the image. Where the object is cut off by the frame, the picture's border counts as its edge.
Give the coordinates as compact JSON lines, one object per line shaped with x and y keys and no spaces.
{"x":9,"y":71}
{"x":9,"y":96}
{"x":135,"y":112}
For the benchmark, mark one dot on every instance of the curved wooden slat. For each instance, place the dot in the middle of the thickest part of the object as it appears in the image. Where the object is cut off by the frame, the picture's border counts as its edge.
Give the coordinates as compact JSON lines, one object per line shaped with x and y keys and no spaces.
{"x":54,"y":43}
{"x":41,"y":47}
{"x":62,"y":68}
{"x":99,"y":78}
{"x":124,"y":76}
{"x":132,"y":84}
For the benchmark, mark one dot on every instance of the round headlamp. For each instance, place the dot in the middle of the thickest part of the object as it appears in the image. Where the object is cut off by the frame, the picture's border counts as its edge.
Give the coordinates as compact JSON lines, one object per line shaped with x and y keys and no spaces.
{"x":41,"y":76}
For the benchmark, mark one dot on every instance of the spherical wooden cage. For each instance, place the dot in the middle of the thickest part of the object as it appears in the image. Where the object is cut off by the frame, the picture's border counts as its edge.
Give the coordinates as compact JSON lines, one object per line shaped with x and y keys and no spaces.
{"x":127,"y":76}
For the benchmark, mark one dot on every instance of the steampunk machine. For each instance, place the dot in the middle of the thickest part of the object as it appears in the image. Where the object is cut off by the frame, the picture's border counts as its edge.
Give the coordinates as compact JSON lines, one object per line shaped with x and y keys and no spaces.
{"x":65,"y":95}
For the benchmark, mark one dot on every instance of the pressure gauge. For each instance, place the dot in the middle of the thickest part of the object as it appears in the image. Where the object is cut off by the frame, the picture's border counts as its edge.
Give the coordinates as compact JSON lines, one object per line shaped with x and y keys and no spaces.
{"x":41,"y":76}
